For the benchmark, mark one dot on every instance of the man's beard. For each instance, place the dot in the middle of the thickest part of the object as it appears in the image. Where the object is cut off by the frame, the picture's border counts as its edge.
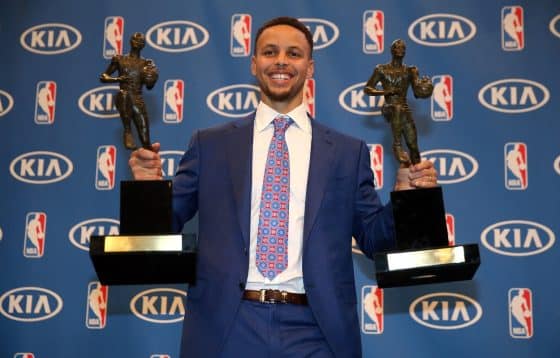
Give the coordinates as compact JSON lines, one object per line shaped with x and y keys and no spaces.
{"x":282,"y":96}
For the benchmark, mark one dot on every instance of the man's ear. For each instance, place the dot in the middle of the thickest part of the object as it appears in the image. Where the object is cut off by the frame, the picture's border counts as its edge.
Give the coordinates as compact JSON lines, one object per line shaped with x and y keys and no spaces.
{"x":253,"y":66}
{"x":310,"y":69}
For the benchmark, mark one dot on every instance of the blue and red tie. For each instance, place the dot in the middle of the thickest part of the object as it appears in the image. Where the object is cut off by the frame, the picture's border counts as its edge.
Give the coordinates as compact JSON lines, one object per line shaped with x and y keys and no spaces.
{"x":272,"y":236}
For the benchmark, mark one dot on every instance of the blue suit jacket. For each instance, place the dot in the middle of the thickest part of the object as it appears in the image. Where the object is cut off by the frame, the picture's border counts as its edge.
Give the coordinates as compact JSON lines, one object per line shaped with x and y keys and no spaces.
{"x":214,"y":178}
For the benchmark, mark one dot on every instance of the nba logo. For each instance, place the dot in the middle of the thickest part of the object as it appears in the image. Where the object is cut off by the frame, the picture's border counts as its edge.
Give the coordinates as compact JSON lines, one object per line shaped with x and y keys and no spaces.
{"x":516,"y":171}
{"x":309,"y":96}
{"x":35,"y":229}
{"x":105,"y":167}
{"x":520,"y":312}
{"x":373,"y":31}
{"x":376,"y":157}
{"x":513,"y":34}
{"x":24,"y":355}
{"x":240,"y":35}
{"x":174,"y":91}
{"x":113,"y":38}
{"x":45,"y":102}
{"x":96,"y":312}
{"x":450,"y":223}
{"x":372,"y":310}
{"x":442,"y":98}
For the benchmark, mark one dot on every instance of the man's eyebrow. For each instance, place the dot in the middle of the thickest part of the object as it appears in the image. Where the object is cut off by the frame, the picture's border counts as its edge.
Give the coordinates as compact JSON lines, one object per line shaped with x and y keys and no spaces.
{"x":294,"y":47}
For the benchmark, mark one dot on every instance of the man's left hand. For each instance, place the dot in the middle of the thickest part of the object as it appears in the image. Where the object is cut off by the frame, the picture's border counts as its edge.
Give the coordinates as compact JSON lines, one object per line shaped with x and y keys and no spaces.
{"x":421,"y":175}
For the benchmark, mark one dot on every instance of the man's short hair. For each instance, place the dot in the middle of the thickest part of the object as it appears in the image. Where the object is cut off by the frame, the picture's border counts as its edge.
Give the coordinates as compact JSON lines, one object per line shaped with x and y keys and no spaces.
{"x":290,"y":21}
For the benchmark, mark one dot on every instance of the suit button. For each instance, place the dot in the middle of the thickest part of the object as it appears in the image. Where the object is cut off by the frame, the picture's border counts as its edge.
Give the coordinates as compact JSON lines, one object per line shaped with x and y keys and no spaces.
{"x":245,"y":251}
{"x":242,"y":286}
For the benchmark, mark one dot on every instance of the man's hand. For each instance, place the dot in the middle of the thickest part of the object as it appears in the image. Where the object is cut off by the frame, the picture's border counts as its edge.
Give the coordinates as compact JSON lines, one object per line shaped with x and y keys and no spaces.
{"x":146,"y":164}
{"x":421,"y":175}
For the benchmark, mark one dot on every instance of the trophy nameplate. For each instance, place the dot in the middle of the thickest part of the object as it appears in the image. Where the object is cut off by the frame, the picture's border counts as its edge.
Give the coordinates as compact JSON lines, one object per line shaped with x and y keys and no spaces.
{"x":422,"y":253}
{"x":146,"y":251}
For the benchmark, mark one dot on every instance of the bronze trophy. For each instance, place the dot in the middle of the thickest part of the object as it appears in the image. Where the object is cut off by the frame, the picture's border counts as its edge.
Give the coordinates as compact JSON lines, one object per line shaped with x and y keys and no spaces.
{"x":423,"y":254}
{"x":134,"y":72}
{"x":146,"y":250}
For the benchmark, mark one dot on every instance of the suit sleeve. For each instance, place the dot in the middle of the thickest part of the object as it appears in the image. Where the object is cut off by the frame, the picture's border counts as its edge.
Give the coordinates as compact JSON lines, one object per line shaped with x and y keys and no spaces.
{"x":373,"y":226}
{"x":185,"y":185}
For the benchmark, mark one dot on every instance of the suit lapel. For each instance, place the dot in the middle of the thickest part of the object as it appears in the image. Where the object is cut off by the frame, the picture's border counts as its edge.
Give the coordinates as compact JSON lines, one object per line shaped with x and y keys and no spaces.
{"x":320,"y":166}
{"x":240,"y":158}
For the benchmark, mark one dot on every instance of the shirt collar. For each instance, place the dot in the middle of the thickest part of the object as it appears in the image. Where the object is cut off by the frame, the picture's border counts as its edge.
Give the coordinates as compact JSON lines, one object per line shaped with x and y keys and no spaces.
{"x":265,"y":115}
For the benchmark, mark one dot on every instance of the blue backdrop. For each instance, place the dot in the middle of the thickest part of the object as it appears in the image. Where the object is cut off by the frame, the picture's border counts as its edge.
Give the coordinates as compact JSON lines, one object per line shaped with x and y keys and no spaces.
{"x":490,"y":128}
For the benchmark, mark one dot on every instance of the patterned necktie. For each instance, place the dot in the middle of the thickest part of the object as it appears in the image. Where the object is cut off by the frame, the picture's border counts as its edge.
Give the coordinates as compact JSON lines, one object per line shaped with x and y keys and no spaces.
{"x":272,"y":236}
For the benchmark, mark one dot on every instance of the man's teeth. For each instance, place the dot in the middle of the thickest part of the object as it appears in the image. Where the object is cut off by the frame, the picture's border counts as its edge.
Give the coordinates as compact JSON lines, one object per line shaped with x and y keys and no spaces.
{"x":280,"y":76}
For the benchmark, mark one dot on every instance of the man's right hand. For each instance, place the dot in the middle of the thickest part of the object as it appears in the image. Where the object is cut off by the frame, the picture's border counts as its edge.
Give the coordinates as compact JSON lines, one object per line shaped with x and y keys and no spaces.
{"x":146,"y":164}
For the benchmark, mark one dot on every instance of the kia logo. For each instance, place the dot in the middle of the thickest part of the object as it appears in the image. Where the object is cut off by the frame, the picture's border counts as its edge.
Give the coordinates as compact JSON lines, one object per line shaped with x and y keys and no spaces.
{"x":41,"y":167}
{"x":513,"y":95}
{"x":234,"y":101}
{"x":177,"y":36}
{"x":441,"y":30}
{"x":99,"y":102}
{"x":51,"y":39}
{"x":170,"y":162}
{"x":445,"y":310}
{"x":324,"y":33}
{"x":80,"y":234}
{"x":354,"y":100}
{"x":30,"y":304}
{"x":159,"y":305}
{"x":453,"y":166}
{"x":517,"y":238}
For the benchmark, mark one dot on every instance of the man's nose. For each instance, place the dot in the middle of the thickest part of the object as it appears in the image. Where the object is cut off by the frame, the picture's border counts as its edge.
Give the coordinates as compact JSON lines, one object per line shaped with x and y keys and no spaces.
{"x":282,"y":59}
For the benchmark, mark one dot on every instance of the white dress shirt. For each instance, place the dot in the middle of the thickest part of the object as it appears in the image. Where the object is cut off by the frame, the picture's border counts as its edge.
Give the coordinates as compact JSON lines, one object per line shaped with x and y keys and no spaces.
{"x":298,"y":139}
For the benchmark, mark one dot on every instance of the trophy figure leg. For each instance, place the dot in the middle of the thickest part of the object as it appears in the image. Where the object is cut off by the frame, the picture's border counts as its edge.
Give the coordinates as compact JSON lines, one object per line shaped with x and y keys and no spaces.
{"x":123,"y":104}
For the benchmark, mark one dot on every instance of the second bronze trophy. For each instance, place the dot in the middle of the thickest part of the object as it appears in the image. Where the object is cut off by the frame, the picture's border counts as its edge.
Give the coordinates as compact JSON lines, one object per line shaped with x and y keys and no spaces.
{"x":423,"y":254}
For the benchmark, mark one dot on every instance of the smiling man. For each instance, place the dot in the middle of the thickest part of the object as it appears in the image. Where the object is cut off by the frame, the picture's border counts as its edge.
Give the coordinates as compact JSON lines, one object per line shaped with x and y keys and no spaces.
{"x":279,"y":197}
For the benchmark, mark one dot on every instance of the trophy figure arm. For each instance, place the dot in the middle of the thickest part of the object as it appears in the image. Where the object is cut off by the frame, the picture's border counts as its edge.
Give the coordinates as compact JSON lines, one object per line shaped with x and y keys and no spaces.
{"x":422,"y":87}
{"x":371,"y":86}
{"x":150,"y":74}
{"x":113,"y":66}
{"x":372,"y":91}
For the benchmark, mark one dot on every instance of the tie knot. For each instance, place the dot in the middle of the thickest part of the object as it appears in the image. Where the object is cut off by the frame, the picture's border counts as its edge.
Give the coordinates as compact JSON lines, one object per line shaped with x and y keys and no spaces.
{"x":281,"y":123}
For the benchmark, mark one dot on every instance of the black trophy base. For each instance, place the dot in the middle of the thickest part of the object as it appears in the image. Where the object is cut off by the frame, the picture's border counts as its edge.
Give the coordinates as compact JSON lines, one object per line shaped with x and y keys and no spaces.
{"x":423,"y":254}
{"x":144,"y":259}
{"x":419,"y":218}
{"x":146,"y":207}
{"x":416,"y":267}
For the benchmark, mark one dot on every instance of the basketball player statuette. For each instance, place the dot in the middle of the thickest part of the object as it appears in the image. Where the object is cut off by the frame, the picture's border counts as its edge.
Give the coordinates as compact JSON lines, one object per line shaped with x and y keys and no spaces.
{"x":134,"y":72}
{"x":395,"y":78}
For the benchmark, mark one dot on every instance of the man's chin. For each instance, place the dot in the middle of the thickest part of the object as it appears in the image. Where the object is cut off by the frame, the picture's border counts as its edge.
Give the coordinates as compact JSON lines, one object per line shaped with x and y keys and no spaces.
{"x":281,"y":95}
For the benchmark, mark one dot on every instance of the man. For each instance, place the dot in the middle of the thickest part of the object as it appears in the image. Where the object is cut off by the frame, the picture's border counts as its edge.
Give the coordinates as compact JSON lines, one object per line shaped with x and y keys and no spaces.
{"x":304,"y":306}
{"x":395,"y":77}
{"x":134,"y":72}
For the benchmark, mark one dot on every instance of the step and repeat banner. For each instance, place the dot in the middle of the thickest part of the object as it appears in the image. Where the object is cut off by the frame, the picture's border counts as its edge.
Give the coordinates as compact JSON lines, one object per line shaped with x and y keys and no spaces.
{"x":491,"y":128}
